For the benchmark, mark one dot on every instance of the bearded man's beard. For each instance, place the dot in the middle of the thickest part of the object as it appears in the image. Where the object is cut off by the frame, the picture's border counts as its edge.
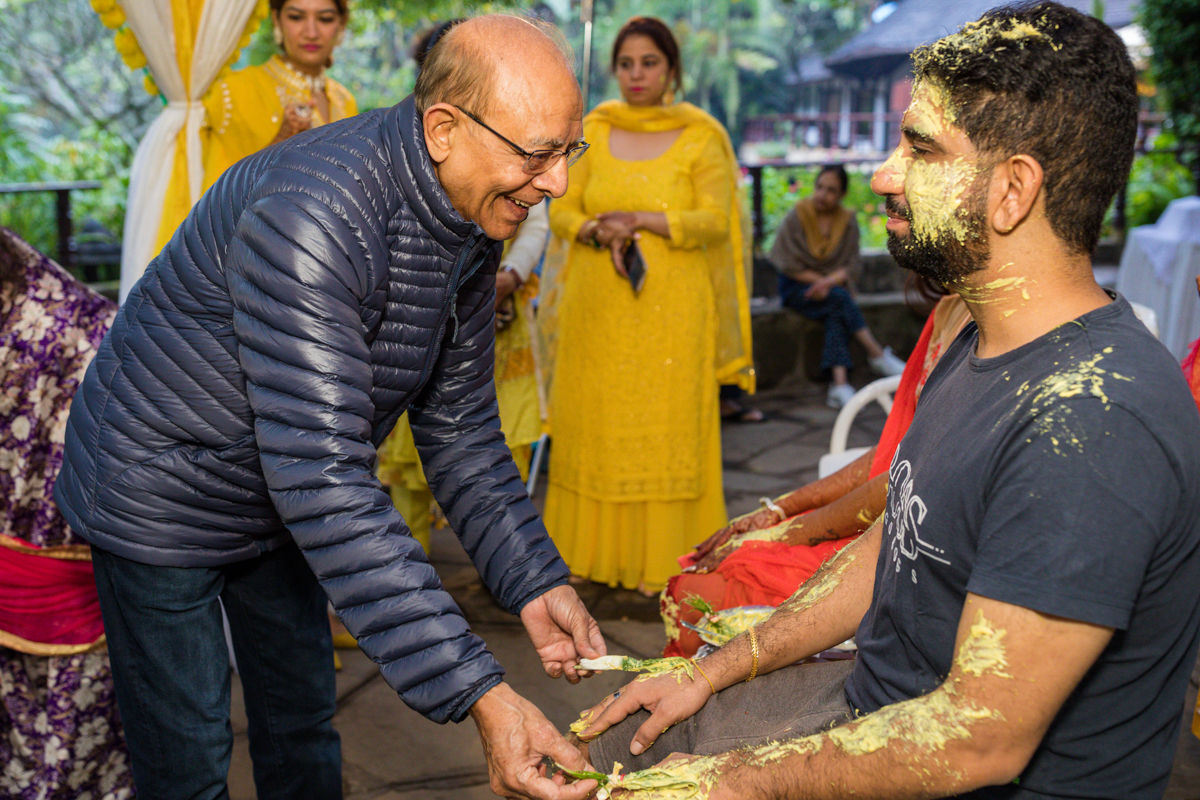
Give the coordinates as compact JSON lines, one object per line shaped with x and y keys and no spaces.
{"x":945,"y":259}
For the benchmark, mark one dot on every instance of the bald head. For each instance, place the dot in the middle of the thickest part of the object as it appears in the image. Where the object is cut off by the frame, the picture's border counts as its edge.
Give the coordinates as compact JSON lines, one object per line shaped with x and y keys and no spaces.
{"x":490,"y":56}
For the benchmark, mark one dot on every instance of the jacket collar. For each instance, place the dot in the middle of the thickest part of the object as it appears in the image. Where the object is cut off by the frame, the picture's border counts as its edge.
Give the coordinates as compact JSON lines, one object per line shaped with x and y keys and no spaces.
{"x":419,"y":183}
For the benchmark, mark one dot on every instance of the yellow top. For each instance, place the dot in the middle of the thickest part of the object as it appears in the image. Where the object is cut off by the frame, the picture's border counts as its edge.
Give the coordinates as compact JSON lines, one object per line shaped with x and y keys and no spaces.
{"x":246,"y":108}
{"x":242,"y":115}
{"x":634,"y":388}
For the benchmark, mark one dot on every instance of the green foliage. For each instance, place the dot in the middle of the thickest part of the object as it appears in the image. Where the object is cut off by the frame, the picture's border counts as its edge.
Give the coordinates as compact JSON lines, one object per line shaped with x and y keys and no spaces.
{"x":95,"y":154}
{"x":783,"y":187}
{"x":1157,"y":178}
{"x":69,"y":110}
{"x":1173,"y":33}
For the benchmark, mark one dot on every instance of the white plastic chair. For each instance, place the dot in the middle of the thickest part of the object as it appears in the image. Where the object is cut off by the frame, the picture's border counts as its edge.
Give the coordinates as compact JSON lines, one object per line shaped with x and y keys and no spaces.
{"x":879,"y":391}
{"x":1147,"y":315}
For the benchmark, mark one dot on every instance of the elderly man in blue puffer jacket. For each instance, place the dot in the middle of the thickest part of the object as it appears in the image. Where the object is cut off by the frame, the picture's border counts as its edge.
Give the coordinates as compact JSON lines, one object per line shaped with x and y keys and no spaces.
{"x":223,"y":442}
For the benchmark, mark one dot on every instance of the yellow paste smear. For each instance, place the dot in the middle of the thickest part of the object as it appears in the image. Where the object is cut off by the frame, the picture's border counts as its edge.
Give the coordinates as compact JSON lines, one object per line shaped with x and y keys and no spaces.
{"x":669,"y":611}
{"x":586,"y":718}
{"x":775,"y":533}
{"x":822,"y":584}
{"x":935,"y":192}
{"x":981,"y":36}
{"x":982,"y":650}
{"x":932,"y":110}
{"x":1082,"y":379}
{"x":996,"y":291}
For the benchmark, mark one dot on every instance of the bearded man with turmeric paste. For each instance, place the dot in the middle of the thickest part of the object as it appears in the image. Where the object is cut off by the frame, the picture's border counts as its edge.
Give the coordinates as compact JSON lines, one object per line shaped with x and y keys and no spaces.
{"x":1026,"y":609}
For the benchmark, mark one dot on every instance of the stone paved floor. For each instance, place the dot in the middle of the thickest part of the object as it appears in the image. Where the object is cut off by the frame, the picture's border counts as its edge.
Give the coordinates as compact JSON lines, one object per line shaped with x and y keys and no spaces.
{"x":392,"y":753}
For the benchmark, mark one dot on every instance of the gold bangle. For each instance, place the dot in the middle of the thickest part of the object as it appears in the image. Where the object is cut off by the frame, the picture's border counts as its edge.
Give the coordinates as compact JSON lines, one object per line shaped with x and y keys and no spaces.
{"x":753,"y":654}
{"x":710,"y":683}
{"x":770,"y":505}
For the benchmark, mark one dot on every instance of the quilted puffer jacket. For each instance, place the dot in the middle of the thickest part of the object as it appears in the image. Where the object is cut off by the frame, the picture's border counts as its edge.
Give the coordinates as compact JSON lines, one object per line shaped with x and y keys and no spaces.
{"x":315,"y":292}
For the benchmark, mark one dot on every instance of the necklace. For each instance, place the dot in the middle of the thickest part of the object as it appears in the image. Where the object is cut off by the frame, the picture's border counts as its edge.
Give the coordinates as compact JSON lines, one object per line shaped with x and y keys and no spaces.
{"x":314,"y":84}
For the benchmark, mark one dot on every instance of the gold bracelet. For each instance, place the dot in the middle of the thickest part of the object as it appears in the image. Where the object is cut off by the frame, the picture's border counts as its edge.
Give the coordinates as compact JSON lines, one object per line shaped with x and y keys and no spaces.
{"x":753,"y":653}
{"x":710,"y":683}
{"x":770,"y":505}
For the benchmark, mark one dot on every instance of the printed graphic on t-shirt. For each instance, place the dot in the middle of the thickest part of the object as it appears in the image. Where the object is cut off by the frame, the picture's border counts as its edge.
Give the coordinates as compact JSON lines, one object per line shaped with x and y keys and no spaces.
{"x":905,"y":513}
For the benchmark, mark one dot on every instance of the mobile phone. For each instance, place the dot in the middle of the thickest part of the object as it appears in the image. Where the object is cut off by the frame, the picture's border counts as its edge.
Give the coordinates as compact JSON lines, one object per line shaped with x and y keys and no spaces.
{"x":635,"y":266}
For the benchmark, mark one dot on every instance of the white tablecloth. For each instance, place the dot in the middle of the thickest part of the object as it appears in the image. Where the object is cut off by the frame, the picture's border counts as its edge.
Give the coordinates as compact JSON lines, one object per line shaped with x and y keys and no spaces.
{"x":1159,"y":267}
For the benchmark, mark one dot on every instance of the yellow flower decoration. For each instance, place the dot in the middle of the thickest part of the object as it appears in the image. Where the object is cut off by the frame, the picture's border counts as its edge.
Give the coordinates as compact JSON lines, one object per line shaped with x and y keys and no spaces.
{"x":113,"y":17}
{"x":134,"y":60}
{"x":127,"y":43}
{"x":149,"y":85}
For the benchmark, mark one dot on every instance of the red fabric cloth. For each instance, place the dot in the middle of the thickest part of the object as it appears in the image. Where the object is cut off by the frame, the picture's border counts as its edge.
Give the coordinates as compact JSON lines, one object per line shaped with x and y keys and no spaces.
{"x":1191,"y":370}
{"x":49,"y":601}
{"x":904,"y":403}
{"x":767,"y":573}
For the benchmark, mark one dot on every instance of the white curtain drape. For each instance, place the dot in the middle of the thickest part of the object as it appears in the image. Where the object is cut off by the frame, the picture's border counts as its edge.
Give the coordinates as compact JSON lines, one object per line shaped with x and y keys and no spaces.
{"x":152,"y":21}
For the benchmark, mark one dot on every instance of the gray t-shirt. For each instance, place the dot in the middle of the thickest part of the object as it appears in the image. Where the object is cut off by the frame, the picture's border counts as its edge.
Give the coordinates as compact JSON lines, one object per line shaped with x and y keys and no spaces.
{"x":1064,"y":477}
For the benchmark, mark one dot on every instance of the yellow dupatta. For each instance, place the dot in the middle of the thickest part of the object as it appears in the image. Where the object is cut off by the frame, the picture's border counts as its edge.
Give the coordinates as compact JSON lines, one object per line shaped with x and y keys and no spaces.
{"x":820,"y":245}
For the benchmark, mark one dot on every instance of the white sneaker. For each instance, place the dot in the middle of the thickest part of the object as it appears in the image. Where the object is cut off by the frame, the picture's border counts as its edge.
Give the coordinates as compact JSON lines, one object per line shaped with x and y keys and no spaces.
{"x":839,"y":394}
{"x":887,"y":364}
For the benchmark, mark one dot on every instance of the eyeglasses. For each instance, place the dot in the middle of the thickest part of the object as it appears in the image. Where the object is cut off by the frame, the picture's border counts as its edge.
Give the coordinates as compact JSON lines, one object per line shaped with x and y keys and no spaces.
{"x":538,"y":161}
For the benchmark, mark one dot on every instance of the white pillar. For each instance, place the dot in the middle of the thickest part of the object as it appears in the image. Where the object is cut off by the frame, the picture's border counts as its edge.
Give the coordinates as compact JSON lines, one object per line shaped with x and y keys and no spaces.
{"x":879,"y":128}
{"x":844,"y":120}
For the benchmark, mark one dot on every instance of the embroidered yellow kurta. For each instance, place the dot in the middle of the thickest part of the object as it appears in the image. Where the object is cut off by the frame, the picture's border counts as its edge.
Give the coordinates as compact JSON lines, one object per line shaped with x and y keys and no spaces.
{"x":635,"y":462}
{"x":245,"y":111}
{"x":242,"y":114}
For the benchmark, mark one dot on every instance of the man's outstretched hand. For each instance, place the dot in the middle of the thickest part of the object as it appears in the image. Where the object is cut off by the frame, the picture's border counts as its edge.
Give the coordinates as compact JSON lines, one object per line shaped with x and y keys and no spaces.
{"x":515,"y":739}
{"x":562,"y":632}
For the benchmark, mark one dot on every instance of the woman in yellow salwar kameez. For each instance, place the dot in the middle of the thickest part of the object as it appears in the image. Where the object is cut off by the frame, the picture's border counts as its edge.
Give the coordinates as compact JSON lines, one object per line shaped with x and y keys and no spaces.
{"x":635,"y":462}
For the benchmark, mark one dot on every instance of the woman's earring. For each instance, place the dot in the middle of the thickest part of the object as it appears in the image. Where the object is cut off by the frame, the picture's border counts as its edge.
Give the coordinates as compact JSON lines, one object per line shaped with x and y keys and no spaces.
{"x":668,"y":97}
{"x":278,"y":36}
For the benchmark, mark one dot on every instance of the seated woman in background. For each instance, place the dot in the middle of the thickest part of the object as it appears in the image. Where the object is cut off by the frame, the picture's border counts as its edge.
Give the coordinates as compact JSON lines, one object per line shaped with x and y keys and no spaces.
{"x":761,"y":558}
{"x":60,"y":734}
{"x":289,"y":93}
{"x":816,"y":255}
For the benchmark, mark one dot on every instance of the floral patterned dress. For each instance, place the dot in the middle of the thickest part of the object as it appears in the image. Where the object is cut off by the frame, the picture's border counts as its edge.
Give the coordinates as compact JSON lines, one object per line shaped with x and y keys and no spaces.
{"x":60,"y":736}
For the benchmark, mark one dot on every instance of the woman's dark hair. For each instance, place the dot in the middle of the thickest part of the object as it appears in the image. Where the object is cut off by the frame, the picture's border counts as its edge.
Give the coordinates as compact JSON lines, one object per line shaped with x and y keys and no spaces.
{"x":656,"y":31}
{"x":839,"y":171}
{"x":343,"y":8}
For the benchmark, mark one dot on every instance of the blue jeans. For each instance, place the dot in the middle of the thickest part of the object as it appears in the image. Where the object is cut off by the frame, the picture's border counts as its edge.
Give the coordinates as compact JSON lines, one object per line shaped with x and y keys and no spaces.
{"x":170,"y":667}
{"x":837,"y":312}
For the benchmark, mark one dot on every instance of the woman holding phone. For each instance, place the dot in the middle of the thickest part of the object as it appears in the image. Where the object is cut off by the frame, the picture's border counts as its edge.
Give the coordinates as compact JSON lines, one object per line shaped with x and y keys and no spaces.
{"x":635,"y":466}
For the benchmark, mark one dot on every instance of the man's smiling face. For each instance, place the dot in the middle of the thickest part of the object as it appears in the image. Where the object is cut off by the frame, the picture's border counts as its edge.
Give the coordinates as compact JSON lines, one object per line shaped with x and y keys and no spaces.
{"x":537,"y":106}
{"x":496,"y":192}
{"x":935,"y":192}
